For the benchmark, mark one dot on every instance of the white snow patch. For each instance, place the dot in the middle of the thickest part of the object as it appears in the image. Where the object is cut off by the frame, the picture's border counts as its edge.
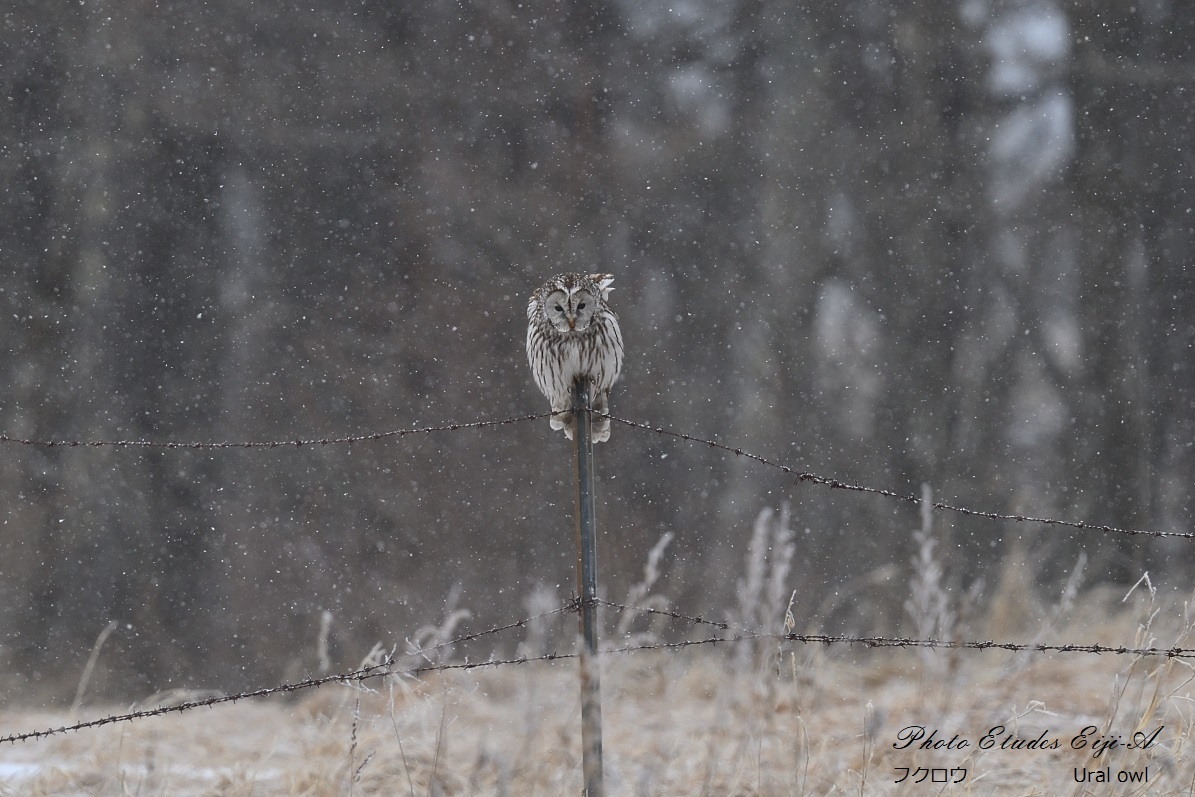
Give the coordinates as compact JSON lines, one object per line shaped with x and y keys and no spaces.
{"x":18,"y":770}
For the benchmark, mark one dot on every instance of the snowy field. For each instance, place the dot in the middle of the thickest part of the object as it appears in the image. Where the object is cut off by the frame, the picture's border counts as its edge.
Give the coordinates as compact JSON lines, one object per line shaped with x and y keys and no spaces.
{"x":803,"y":720}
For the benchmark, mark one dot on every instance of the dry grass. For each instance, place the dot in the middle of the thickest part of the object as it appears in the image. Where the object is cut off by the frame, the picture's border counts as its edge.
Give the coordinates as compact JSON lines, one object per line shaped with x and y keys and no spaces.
{"x":753,"y":720}
{"x":674,"y":724}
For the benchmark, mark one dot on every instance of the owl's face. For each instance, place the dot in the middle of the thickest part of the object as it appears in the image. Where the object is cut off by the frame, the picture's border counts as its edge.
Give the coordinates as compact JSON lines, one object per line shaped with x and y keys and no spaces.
{"x":570,"y":309}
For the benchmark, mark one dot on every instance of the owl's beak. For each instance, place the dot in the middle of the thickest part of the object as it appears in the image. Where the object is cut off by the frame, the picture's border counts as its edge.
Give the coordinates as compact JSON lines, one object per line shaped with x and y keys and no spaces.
{"x":572,"y":323}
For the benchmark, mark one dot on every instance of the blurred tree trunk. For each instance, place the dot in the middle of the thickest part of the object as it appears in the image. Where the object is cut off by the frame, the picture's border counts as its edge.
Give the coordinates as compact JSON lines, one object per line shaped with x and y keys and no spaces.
{"x":84,"y":573}
{"x":1132,"y":79}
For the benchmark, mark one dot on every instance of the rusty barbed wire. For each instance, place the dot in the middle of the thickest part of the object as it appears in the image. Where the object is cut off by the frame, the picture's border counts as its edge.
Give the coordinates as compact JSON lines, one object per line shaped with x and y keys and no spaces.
{"x":388,"y":666}
{"x":896,"y":642}
{"x":743,"y":635}
{"x":837,"y":484}
{"x":800,"y":476}
{"x":371,"y":671}
{"x":823,"y":639}
{"x":663,"y":613}
{"x":365,"y":673}
{"x":297,"y":443}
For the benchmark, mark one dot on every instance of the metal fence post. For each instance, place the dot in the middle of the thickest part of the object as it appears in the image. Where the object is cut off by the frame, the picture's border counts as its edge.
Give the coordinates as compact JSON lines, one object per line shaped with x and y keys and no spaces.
{"x":591,"y":697}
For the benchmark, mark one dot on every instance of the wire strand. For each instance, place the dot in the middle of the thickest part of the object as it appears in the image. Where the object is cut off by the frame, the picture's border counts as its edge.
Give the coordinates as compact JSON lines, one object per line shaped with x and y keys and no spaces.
{"x":318,"y":441}
{"x":801,"y":476}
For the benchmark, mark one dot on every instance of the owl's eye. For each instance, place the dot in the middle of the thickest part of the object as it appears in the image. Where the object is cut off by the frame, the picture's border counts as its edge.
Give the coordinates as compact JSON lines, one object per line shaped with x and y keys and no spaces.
{"x":581,"y":306}
{"x":559,"y":309}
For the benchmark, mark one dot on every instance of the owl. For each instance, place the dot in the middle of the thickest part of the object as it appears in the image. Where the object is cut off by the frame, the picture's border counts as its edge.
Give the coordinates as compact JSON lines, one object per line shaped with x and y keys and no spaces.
{"x":572,"y":333}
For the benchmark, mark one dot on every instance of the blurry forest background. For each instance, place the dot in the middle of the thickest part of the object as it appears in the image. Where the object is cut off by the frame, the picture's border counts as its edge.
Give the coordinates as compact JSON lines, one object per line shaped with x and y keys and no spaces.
{"x":890,"y":241}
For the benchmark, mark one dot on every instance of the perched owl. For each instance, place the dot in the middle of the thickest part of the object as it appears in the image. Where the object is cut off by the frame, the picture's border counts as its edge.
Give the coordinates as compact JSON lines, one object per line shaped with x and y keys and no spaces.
{"x":573,"y":333}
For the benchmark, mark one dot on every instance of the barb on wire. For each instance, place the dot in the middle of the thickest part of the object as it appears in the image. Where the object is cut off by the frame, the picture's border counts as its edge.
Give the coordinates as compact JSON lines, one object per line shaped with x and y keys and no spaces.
{"x":298,"y":443}
{"x":663,"y":613}
{"x":837,"y":484}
